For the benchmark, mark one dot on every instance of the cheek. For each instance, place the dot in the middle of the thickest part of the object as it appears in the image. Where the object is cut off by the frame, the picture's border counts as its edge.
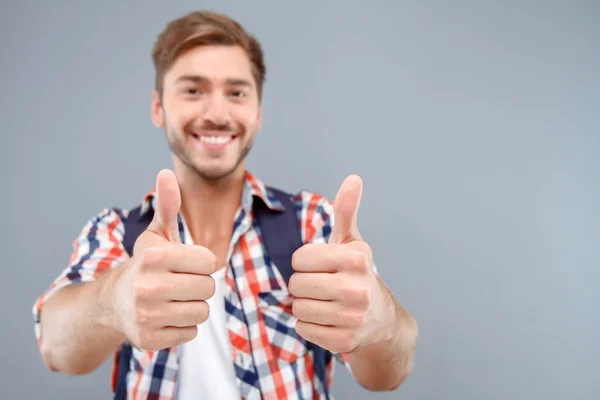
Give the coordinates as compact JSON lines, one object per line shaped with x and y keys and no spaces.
{"x":247,"y":118}
{"x":181,"y":115}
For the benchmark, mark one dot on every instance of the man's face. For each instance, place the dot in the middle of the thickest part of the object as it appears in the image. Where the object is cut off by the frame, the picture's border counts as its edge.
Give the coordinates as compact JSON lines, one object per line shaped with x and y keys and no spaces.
{"x":210,"y":109}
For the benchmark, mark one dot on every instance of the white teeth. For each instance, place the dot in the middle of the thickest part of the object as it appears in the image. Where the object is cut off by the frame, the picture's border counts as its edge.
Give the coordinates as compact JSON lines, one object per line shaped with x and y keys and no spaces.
{"x":215,"y":139}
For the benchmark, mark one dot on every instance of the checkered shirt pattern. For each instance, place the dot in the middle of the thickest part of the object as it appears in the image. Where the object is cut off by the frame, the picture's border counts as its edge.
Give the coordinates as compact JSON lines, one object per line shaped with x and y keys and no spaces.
{"x":271,"y":361}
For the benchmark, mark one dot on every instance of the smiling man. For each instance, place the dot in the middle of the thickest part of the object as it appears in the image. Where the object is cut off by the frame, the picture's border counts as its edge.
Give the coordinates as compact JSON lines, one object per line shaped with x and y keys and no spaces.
{"x":218,"y":286}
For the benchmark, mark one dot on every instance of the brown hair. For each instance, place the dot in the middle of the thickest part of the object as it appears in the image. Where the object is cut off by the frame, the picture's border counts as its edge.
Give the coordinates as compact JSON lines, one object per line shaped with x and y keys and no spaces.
{"x":204,"y":28}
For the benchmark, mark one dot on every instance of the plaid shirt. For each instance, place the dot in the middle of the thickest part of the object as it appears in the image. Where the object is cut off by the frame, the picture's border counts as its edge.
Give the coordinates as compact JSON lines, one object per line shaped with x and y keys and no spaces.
{"x":271,"y":361}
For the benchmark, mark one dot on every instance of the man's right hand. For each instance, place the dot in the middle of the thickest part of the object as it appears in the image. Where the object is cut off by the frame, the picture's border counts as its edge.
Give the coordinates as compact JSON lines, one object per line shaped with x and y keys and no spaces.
{"x":159,"y":296}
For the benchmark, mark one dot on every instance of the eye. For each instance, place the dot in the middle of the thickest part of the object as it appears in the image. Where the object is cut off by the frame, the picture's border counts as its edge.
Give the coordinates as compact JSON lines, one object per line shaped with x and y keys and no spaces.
{"x":192,"y":91}
{"x":238,"y":93}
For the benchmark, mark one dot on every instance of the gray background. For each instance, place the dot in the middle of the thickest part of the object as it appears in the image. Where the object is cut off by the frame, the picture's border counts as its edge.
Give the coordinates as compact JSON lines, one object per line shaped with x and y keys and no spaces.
{"x":474,"y":125}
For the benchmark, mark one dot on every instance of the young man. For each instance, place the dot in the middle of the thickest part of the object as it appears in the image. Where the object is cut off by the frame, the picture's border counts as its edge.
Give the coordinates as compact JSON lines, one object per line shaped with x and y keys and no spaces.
{"x":200,"y":306}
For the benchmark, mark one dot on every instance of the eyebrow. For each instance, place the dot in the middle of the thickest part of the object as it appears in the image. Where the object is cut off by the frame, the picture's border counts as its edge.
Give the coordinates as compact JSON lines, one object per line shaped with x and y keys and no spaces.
{"x":203,"y":79}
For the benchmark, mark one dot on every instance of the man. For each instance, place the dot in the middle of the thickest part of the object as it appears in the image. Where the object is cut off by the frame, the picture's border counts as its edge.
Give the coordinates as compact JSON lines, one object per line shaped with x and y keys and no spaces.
{"x":197,"y":308}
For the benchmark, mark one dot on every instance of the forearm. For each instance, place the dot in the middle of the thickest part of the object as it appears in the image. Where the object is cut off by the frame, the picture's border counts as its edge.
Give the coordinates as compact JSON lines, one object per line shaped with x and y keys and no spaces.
{"x":78,"y":329}
{"x":385,"y":364}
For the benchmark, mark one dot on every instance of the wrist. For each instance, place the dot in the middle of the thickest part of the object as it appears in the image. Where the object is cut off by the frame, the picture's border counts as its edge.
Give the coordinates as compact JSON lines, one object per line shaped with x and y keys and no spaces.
{"x":107,"y":302}
{"x":387,"y":328}
{"x":401,"y":328}
{"x":393,"y":324}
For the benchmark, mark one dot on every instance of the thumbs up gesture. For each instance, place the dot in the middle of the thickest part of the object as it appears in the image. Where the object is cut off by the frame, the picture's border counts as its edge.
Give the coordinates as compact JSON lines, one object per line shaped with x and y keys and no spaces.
{"x":336,"y":293}
{"x":159,"y":295}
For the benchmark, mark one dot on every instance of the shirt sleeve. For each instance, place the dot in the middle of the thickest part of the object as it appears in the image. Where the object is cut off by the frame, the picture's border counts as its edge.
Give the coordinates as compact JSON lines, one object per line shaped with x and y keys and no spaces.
{"x":98,"y":248}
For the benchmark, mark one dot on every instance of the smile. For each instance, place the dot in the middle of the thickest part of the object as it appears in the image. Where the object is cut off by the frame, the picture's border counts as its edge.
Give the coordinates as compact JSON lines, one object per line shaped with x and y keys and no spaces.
{"x":213,"y":141}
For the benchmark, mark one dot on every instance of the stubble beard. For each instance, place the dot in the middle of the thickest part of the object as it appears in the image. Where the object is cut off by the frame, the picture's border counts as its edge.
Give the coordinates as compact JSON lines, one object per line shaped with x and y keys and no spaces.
{"x":180,"y":151}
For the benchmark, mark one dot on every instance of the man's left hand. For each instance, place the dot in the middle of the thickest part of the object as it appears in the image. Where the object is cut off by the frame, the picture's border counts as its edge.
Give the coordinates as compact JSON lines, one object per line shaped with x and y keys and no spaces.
{"x":338,"y":300}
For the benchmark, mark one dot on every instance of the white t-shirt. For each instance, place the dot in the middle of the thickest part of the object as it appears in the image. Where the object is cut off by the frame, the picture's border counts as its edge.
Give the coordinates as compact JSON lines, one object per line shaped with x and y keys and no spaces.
{"x":206,"y":370}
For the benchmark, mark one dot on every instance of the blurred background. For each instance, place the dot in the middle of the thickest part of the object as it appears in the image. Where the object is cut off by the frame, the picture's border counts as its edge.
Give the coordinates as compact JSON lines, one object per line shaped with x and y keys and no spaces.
{"x":474,"y":125}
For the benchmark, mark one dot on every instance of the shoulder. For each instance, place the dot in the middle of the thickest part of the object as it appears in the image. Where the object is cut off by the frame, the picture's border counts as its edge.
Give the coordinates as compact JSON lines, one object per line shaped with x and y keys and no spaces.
{"x":315,"y":213}
{"x":110,"y":216}
{"x":308,"y":201}
{"x":108,"y":222}
{"x":114,"y":218}
{"x":100,"y":241}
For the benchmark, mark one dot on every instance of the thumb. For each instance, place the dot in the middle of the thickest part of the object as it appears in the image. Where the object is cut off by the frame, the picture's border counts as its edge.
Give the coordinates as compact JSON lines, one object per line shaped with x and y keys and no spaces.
{"x":168,"y":204}
{"x":345,"y":211}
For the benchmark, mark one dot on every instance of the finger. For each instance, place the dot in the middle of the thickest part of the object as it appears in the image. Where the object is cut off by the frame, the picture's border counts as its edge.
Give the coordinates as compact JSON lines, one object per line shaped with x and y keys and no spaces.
{"x":318,"y":286}
{"x":168,"y":204}
{"x":184,"y":313}
{"x":327,"y":313}
{"x":345,"y":210}
{"x":167,"y":337}
{"x":332,"y":338}
{"x":189,"y":287}
{"x":181,"y":258}
{"x":319,"y":257}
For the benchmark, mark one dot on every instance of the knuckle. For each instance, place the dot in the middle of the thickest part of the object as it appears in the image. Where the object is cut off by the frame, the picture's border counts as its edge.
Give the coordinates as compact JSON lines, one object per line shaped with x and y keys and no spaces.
{"x":182,"y":335}
{"x":211,"y":260}
{"x":358,"y":260}
{"x":141,"y":292}
{"x":142,"y":261}
{"x":337,"y":346}
{"x":365,"y":248}
{"x":150,"y":256}
{"x":352,"y":319}
{"x":361,"y":246}
{"x":363,"y":297}
{"x":187,"y":315}
{"x":293,"y":283}
{"x":343,"y":347}
{"x":301,"y":331}
{"x":149,"y":340}
{"x":295,"y":259}
{"x":362,"y":301}
{"x":201,"y":315}
{"x":361,"y":319}
{"x":141,"y":316}
{"x":349,"y":292}
{"x":188,"y":334}
{"x":344,"y":344}
{"x":297,"y":308}
{"x":135,"y":338}
{"x":207,"y":264}
{"x":320,"y":315}
{"x":210,"y":287}
{"x":357,"y":293}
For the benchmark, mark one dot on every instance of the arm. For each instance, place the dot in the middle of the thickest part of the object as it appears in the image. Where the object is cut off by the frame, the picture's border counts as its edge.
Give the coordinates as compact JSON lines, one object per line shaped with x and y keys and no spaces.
{"x":155,"y":300}
{"x":379,"y":350}
{"x":385,"y":364}
{"x":77,"y":327}
{"x":74,"y":325}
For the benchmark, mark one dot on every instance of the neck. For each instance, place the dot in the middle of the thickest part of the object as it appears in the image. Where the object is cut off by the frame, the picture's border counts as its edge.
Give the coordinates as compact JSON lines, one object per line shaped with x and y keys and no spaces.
{"x":209,"y":206}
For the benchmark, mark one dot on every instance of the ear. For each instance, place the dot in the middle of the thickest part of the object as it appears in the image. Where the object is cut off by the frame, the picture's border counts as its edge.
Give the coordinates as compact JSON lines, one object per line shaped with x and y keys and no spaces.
{"x":158,"y":118}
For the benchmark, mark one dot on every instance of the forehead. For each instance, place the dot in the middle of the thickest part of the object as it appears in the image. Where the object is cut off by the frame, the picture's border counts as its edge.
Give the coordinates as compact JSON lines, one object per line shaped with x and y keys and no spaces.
{"x":215,"y":62}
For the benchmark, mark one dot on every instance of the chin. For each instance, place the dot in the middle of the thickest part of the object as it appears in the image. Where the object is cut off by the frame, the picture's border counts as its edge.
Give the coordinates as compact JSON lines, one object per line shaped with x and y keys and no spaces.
{"x":215,"y":173}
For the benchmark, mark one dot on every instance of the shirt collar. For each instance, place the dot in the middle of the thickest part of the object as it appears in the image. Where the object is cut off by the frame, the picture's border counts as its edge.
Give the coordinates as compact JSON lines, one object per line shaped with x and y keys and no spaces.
{"x":254,"y":189}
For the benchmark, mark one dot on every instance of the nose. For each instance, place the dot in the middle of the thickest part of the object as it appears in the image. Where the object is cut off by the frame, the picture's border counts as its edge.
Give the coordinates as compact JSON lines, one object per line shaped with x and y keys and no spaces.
{"x":217,"y":111}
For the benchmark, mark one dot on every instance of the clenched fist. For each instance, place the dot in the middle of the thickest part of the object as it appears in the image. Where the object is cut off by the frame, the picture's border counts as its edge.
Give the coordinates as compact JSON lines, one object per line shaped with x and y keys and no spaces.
{"x":160,"y":294}
{"x":338,"y":301}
